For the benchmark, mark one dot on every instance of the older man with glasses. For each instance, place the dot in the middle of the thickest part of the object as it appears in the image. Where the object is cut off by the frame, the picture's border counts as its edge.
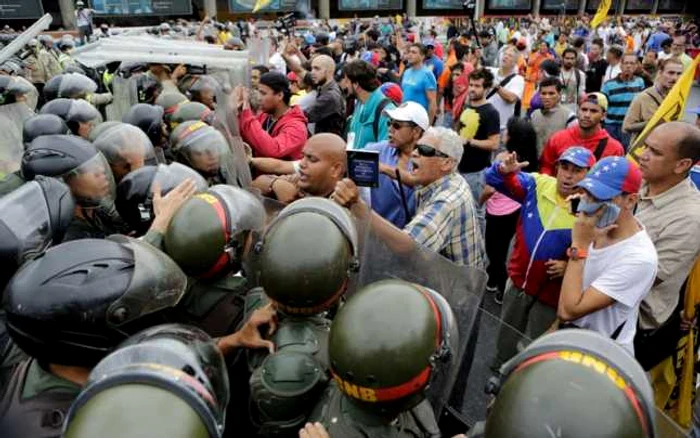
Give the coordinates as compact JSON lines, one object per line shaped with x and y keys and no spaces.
{"x":445,"y":219}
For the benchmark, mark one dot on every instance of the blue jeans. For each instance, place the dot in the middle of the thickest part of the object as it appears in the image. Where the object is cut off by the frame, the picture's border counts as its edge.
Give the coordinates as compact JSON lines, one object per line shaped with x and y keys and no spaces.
{"x":476,"y":184}
{"x":615,"y":131}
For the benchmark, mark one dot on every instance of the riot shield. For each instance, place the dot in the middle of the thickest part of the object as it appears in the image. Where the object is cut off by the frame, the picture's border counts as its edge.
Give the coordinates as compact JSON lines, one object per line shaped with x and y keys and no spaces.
{"x":462,"y":287}
{"x":226,"y":122}
{"x":125,"y":95}
{"x":667,"y":428}
{"x":12,"y":118}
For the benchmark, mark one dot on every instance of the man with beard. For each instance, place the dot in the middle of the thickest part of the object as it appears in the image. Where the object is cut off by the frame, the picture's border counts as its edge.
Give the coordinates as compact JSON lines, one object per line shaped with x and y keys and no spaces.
{"x":587,"y":133}
{"x":323,"y":164}
{"x":621,"y":91}
{"x":573,"y":80}
{"x":328,"y":110}
{"x":480,"y":131}
{"x":369,"y":123}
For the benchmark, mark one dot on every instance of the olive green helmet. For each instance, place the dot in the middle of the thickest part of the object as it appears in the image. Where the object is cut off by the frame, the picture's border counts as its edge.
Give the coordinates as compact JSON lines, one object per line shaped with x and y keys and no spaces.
{"x":388,"y":342}
{"x":168,"y":381}
{"x":191,"y":111}
{"x":207,"y":235}
{"x":170,"y":101}
{"x":578,"y":383}
{"x":306,"y":255}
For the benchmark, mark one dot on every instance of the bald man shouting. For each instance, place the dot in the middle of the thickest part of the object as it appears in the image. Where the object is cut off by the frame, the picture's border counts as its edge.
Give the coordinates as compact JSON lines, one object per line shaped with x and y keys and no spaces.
{"x":322,"y":165}
{"x":328,"y":110}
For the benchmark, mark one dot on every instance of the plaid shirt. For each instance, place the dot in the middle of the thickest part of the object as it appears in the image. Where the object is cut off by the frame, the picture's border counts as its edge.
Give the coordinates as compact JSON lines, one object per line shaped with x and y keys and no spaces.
{"x":445,"y":221}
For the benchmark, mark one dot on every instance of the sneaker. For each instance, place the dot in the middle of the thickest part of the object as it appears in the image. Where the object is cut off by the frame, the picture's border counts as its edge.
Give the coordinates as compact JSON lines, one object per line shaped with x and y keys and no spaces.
{"x":491,"y":289}
{"x":498,"y":298}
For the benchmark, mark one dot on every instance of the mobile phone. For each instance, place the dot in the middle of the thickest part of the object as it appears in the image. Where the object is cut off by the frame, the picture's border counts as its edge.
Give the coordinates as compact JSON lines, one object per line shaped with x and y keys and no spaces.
{"x":363,"y":167}
{"x":574,"y":205}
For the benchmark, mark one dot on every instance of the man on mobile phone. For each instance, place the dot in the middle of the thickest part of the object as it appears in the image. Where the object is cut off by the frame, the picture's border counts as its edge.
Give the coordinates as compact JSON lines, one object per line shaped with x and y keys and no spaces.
{"x":612,"y":261}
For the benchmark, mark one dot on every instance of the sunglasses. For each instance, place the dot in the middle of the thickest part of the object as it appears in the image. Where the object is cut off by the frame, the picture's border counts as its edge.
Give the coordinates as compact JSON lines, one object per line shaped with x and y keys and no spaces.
{"x":428,"y":151}
{"x":398,"y":125}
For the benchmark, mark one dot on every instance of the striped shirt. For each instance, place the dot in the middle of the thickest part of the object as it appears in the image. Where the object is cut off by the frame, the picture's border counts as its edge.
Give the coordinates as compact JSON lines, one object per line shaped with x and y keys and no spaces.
{"x":445,"y":221}
{"x":620,"y":95}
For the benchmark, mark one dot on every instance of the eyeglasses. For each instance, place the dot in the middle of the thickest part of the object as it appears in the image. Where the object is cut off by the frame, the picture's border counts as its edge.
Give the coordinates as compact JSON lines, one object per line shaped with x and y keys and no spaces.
{"x":398,"y":125}
{"x":428,"y":151}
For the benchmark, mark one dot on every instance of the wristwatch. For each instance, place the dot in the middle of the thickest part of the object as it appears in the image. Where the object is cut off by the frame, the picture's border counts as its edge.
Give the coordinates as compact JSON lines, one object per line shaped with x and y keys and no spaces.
{"x":576,"y":253}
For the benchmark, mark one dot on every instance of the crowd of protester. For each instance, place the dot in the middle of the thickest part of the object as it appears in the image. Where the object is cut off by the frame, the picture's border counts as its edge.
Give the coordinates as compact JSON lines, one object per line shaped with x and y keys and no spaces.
{"x":501,"y":147}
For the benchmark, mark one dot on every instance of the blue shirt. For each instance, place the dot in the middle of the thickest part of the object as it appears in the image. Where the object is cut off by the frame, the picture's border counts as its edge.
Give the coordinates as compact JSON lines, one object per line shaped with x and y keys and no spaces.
{"x":386,"y":199}
{"x":435,"y":64}
{"x":655,"y":41}
{"x":620,"y":95}
{"x":415,"y":83}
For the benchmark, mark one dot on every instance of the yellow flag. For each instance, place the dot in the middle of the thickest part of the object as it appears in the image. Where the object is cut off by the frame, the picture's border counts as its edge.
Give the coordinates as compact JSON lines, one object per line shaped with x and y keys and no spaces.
{"x":601,"y":13}
{"x":259,"y":4}
{"x":672,"y":108}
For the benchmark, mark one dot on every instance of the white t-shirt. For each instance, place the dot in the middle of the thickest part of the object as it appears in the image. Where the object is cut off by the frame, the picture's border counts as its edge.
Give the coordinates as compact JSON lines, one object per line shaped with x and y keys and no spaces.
{"x":278,"y":63}
{"x":611,"y":72}
{"x":624,"y":271}
{"x":515,"y":85}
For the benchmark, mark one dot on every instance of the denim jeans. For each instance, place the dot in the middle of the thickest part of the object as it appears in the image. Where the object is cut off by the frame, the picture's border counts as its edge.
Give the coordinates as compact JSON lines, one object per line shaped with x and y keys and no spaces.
{"x":476,"y":184}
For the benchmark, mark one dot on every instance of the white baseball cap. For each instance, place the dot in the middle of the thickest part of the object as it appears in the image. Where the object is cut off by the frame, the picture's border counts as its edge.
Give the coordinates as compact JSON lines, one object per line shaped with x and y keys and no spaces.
{"x":410,"y":112}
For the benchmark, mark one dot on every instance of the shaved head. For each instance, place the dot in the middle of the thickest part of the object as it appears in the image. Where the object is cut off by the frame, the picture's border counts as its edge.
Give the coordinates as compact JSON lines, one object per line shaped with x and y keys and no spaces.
{"x":322,"y":69}
{"x":670,"y":152}
{"x":323,"y":164}
{"x":684,"y":136}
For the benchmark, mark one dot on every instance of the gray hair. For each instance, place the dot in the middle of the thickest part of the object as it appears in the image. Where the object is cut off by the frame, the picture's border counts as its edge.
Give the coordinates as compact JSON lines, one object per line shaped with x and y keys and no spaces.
{"x":450,"y":143}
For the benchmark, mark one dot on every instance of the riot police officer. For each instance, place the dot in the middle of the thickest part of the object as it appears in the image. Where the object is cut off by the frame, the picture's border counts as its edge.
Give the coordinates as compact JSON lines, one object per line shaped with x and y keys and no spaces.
{"x":67,"y":310}
{"x":80,"y":116}
{"x":204,"y":149}
{"x":169,"y":101}
{"x":149,"y":118}
{"x":383,"y":361}
{"x":201,"y":89}
{"x":15,"y":109}
{"x":577,"y":383}
{"x":88,"y":175}
{"x":126,"y":148}
{"x":208,"y":238}
{"x":191,"y":111}
{"x":304,"y":281}
{"x":135,"y":192}
{"x":172,"y":376}
{"x":43,"y":124}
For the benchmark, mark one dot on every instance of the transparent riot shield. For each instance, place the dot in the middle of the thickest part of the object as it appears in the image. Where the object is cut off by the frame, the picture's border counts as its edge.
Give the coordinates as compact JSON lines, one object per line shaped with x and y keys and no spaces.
{"x":226,"y":122}
{"x":259,"y":50}
{"x":125,"y":95}
{"x":12,"y":118}
{"x":667,"y":428}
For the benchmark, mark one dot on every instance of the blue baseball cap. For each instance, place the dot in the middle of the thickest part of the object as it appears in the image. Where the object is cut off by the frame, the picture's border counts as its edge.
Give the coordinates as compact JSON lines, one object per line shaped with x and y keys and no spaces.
{"x":612,"y":176}
{"x":578,"y":156}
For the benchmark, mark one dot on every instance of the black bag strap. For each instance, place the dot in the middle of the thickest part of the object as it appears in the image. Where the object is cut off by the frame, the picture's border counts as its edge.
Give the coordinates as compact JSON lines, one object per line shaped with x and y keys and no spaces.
{"x":503,"y":83}
{"x":617,"y":331}
{"x":377,"y":116}
{"x":600,"y":148}
{"x":654,"y":97}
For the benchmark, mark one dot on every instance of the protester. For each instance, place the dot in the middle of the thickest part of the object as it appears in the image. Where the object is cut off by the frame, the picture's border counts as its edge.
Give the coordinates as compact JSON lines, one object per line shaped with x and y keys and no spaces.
{"x":669,"y":209}
{"x":612,"y":261}
{"x":648,"y":101}
{"x":588,"y":133}
{"x":597,"y":67}
{"x":538,"y":259}
{"x":509,"y":86}
{"x":418,"y":82}
{"x":328,"y":109}
{"x":573,"y":80}
{"x":613,"y":58}
{"x":445,"y":220}
{"x":280,"y":130}
{"x":553,"y":116}
{"x":621,"y":91}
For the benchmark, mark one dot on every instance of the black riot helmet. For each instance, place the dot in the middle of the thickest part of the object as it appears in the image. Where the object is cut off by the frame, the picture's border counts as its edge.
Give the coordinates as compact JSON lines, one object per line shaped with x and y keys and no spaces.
{"x":578,"y":383}
{"x":74,"y":112}
{"x":76,"y":86}
{"x":134,"y":200}
{"x":32,"y":217}
{"x":148,"y":118}
{"x":12,"y":87}
{"x":51,"y":88}
{"x":79,"y":300}
{"x":76,"y":160}
{"x":148,"y":88}
{"x":168,"y":381}
{"x":43,"y":124}
{"x":126,"y":148}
